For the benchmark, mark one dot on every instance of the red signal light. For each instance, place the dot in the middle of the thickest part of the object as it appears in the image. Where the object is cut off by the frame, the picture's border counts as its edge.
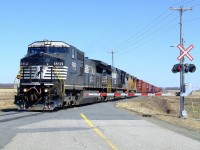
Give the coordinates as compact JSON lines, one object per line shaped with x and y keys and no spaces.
{"x":179,"y":68}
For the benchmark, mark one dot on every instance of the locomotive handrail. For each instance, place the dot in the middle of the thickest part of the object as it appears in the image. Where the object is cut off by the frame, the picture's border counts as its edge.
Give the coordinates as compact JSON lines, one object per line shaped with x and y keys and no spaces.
{"x":109,"y":85}
{"x":62,"y":81}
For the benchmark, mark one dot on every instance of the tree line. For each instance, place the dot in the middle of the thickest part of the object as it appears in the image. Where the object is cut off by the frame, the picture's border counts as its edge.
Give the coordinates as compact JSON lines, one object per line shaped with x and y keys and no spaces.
{"x":6,"y":86}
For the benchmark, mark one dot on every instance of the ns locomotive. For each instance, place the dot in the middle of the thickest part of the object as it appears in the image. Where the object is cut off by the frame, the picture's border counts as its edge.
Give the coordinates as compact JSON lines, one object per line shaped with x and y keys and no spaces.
{"x":55,"y":74}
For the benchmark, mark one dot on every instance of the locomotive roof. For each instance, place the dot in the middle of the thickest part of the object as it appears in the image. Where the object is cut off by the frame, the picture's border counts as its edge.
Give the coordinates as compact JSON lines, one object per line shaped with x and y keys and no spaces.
{"x":99,"y":62}
{"x":47,"y":43}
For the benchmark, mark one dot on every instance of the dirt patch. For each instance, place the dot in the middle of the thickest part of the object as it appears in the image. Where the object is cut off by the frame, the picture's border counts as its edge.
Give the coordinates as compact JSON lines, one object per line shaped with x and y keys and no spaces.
{"x":167,"y":109}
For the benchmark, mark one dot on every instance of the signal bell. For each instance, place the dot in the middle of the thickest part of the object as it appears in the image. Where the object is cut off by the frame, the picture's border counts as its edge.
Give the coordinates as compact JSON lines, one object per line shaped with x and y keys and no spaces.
{"x":177,"y":68}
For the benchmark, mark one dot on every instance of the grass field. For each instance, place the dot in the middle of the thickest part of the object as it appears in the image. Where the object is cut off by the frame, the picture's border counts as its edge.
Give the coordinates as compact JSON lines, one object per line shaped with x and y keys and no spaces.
{"x":167,"y":109}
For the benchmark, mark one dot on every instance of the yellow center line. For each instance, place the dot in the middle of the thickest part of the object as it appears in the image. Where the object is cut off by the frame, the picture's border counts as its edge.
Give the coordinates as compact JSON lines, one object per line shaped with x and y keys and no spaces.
{"x":99,"y":133}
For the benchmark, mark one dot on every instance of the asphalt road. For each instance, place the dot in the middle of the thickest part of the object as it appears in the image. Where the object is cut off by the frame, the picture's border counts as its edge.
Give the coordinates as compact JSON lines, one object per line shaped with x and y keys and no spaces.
{"x":93,"y":127}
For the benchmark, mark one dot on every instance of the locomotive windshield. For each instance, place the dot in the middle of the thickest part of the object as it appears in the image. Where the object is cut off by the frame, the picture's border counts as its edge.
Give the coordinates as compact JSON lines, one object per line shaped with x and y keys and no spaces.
{"x":58,"y":49}
{"x":38,"y":50}
{"x":41,"y":59}
{"x":37,"y":60}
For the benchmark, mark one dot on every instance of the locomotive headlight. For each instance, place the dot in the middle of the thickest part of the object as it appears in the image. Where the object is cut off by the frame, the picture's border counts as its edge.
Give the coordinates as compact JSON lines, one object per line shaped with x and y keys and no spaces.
{"x":18,"y":77}
{"x":25,"y":89}
{"x":45,"y":90}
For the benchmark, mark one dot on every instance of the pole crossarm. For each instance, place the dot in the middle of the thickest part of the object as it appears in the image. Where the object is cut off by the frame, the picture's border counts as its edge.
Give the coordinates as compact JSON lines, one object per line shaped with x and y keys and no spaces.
{"x":181,"y":8}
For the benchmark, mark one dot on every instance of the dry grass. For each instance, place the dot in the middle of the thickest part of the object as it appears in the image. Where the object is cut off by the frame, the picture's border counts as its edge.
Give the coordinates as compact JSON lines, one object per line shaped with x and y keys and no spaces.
{"x":167,"y":109}
{"x":7,"y":98}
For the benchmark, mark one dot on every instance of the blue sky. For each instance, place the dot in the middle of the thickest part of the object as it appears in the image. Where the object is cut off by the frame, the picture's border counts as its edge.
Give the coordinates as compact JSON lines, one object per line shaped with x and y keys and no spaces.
{"x":140,"y":32}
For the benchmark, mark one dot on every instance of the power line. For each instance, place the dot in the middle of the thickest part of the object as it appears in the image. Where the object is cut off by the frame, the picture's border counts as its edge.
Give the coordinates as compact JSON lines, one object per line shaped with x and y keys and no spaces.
{"x":146,"y":33}
{"x":148,"y":26}
{"x":150,"y":34}
{"x":140,"y":32}
{"x":149,"y":30}
{"x":142,"y":39}
{"x":140,"y":43}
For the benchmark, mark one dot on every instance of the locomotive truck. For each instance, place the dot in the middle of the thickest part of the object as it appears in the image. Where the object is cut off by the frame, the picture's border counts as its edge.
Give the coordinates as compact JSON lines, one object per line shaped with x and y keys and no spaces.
{"x":55,"y":74}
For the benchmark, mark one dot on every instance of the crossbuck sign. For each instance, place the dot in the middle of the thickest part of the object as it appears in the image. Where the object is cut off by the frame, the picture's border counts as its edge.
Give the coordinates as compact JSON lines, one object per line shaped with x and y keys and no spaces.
{"x":185,"y":52}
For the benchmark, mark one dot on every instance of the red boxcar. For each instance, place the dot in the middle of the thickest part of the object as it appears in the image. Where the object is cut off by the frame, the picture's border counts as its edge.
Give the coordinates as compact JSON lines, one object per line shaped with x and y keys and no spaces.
{"x":144,"y":85}
{"x":147,"y":88}
{"x":139,"y":86}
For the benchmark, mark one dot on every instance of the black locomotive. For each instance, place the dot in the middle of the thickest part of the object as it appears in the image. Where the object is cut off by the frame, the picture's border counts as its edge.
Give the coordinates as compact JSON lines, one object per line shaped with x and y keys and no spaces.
{"x":55,"y":74}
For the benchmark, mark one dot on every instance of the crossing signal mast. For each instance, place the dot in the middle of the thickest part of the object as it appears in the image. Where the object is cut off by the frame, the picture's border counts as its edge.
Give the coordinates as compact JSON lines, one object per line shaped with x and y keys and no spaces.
{"x":181,"y":67}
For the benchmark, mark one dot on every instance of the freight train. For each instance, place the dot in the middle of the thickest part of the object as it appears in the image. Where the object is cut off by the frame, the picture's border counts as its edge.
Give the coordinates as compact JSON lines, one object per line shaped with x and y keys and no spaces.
{"x":55,"y":74}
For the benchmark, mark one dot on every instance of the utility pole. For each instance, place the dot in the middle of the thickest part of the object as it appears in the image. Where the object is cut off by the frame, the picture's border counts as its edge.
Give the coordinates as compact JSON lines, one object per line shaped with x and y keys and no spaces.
{"x":112,"y":52}
{"x":183,"y":113}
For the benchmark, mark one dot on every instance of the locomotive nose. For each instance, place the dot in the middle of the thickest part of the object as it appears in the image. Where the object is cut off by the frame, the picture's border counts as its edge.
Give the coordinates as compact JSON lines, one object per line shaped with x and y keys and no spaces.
{"x":41,"y":67}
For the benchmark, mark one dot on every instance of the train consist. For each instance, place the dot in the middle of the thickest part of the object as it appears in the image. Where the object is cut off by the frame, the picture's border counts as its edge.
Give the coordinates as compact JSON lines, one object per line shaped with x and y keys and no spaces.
{"x":55,"y":74}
